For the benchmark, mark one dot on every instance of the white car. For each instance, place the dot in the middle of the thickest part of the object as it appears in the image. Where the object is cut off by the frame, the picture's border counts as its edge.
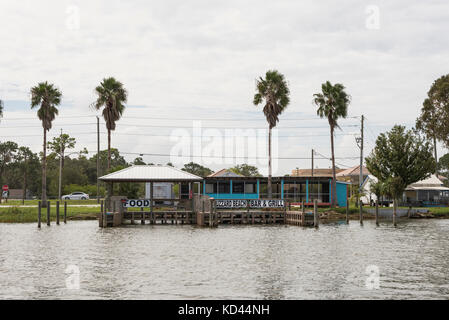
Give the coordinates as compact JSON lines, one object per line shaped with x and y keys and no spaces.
{"x":76,"y":196}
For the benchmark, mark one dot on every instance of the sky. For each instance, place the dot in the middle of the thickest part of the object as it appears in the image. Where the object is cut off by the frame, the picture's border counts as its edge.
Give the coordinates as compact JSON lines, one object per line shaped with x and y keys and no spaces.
{"x":190,"y":69}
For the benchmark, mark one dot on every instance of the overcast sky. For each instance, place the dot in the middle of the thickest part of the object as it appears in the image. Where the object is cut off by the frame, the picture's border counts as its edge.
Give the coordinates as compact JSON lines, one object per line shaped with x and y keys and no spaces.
{"x":199,"y":60}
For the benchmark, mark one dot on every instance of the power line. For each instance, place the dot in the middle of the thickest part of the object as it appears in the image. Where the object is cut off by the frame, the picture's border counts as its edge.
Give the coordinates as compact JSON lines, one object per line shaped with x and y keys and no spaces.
{"x":226,"y":157}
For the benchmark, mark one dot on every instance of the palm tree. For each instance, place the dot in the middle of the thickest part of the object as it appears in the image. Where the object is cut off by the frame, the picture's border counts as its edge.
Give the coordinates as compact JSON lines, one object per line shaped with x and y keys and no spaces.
{"x":332,"y":104}
{"x":48,"y":97}
{"x":111,"y":96}
{"x":274,"y":90}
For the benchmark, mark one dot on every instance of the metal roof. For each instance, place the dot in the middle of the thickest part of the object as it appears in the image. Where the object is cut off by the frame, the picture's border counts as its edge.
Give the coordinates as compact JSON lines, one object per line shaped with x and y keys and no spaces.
{"x":148,"y":173}
{"x":225,"y":173}
{"x":354,"y":171}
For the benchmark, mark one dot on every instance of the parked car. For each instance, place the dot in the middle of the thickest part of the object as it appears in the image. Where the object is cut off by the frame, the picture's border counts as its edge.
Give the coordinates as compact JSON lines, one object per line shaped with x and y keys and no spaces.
{"x":76,"y":196}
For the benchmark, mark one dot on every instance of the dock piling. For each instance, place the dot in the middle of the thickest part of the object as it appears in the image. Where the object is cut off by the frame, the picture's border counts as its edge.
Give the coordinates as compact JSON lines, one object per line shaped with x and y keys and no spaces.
{"x":39,"y":209}
{"x":142,"y":220}
{"x":316,"y":217}
{"x":48,"y":213}
{"x":361,"y":211}
{"x":57,"y":213}
{"x":347,"y":210}
{"x":377,"y":212}
{"x":65,"y":211}
{"x":303,"y":213}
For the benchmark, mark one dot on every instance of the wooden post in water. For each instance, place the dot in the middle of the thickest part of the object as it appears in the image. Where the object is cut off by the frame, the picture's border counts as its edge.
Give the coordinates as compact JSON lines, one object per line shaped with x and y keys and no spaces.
{"x":105,"y":222}
{"x":48,"y":213}
{"x":316,"y":217}
{"x":57,"y":212}
{"x":211,"y":213}
{"x":347,"y":210}
{"x":39,"y":209}
{"x":65,"y":211}
{"x":152,"y":218}
{"x":132,"y":218}
{"x":377,"y":212}
{"x":394,"y":213}
{"x":409,"y":213}
{"x":142,"y":221}
{"x":361,"y":211}
{"x":101,"y":206}
{"x":303,"y":213}
{"x":285,"y":211}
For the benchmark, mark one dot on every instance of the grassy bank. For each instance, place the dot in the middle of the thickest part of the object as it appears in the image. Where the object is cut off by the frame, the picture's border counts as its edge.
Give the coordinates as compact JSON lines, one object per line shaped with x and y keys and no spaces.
{"x":22,"y":215}
{"x":52,"y":202}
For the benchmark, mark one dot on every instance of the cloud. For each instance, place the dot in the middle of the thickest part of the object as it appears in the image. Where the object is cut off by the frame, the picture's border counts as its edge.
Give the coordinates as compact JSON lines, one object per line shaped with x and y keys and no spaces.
{"x":201,"y":58}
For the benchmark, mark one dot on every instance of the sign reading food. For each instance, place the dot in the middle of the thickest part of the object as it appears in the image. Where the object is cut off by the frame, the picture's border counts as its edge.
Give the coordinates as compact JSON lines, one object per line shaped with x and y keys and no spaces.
{"x":136,"y":203}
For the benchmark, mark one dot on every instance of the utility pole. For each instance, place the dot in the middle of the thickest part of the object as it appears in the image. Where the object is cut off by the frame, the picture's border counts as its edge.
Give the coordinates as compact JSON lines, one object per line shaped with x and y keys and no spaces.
{"x":98,"y":159}
{"x":61,"y":154}
{"x":361,"y":154}
{"x":361,"y":171}
{"x":312,"y":162}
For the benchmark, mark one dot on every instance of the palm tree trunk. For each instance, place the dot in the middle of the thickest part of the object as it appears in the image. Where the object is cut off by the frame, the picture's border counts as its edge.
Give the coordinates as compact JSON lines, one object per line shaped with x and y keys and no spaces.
{"x":109,"y":149}
{"x":334,"y":177}
{"x":435,"y":152}
{"x":270,"y":192}
{"x":44,"y":172}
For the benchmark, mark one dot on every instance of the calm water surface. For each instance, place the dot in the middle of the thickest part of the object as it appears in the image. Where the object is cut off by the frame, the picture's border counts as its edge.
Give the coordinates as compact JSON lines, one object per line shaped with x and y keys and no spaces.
{"x":235,"y":262}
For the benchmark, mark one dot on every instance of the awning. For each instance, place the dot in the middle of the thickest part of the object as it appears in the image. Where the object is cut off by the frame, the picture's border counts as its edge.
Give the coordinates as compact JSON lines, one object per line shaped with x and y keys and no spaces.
{"x":150,"y":173}
{"x":427,"y":189}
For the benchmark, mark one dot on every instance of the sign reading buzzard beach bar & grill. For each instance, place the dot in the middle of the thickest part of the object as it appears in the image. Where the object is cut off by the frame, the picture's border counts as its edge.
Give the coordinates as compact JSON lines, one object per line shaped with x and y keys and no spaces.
{"x":262,"y":203}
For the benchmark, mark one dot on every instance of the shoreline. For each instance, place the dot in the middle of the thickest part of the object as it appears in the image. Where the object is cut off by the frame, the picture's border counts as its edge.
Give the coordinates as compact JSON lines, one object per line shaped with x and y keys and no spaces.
{"x":13,"y":215}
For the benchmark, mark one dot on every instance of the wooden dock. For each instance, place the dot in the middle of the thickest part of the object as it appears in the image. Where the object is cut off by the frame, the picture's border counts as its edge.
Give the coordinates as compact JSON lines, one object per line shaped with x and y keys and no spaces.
{"x":208,"y":215}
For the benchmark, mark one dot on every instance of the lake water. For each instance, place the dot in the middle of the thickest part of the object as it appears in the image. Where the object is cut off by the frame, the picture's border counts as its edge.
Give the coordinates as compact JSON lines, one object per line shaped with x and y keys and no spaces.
{"x":229,"y":262}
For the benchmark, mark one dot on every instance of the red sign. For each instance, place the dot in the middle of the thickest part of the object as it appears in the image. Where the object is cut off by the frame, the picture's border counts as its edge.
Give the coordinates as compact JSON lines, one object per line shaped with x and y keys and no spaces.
{"x":5,"y":187}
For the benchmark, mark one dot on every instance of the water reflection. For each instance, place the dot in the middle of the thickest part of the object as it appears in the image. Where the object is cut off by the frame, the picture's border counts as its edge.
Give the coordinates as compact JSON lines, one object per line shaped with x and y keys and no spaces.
{"x":184,"y":262}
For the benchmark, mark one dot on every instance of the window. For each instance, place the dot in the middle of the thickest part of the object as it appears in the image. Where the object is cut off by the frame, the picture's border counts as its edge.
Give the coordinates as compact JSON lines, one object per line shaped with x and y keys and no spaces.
{"x":210,"y":187}
{"x":238,"y":187}
{"x":250,"y":187}
{"x":224,"y":187}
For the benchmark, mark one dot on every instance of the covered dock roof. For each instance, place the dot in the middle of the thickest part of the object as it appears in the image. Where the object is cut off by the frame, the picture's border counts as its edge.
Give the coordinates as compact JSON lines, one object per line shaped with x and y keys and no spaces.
{"x":150,"y":173}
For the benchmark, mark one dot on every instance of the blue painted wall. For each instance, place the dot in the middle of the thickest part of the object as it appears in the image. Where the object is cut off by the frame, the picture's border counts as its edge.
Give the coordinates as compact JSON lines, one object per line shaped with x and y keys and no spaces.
{"x":233,"y":195}
{"x":342,"y":194}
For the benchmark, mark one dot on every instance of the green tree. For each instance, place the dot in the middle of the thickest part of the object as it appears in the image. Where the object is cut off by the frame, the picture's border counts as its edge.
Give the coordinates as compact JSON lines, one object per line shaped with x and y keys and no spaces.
{"x":443,"y":164}
{"x":428,"y":123}
{"x":274,"y":91}
{"x":60,"y":144}
{"x":111,"y":97}
{"x":246,"y":170}
{"x":115,"y":158}
{"x":197,"y":169}
{"x":139,"y":161}
{"x":438,"y":97}
{"x":378,"y":189}
{"x":7,"y":153}
{"x":332,"y":104}
{"x":399,"y":159}
{"x":24,"y":156}
{"x":47,"y":97}
{"x":129,"y":189}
